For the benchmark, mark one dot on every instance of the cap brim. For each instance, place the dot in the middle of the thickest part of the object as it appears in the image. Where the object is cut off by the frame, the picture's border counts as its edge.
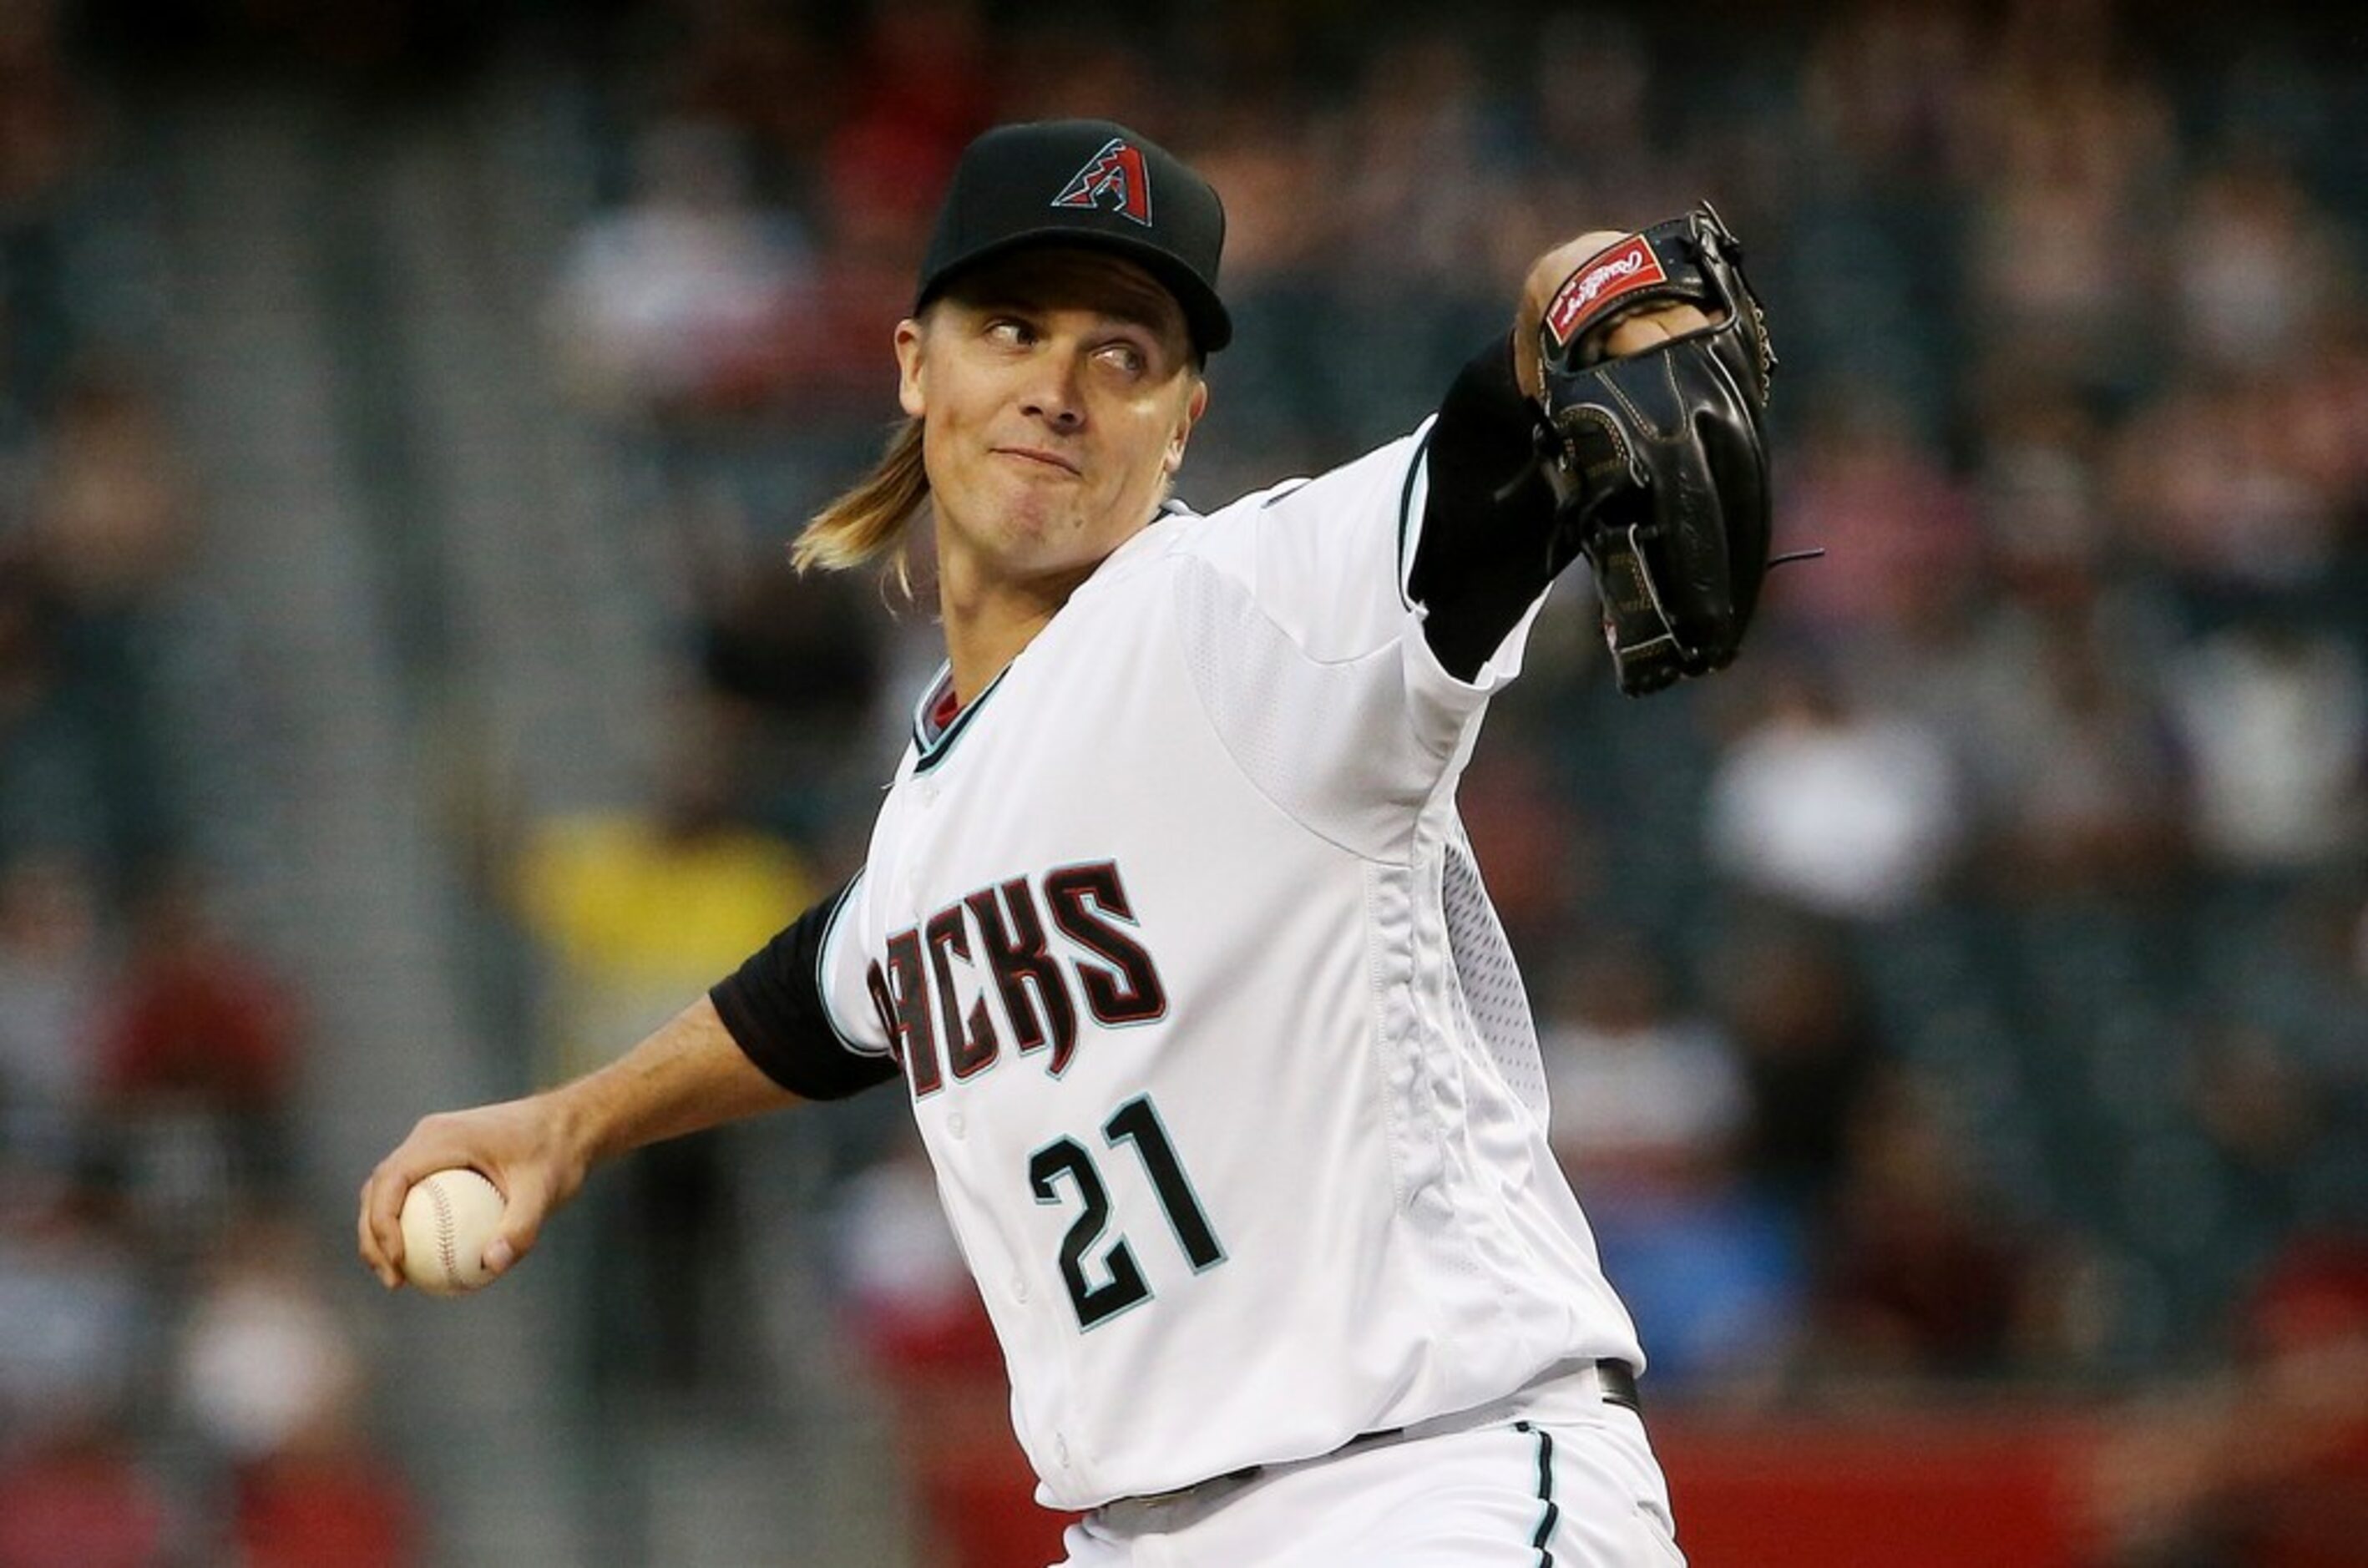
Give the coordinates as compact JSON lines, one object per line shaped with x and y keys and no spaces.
{"x":1205,"y":314}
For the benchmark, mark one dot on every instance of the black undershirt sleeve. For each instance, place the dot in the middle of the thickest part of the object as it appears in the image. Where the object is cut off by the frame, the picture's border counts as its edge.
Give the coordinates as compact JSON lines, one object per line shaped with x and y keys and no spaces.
{"x":773,"y":1006}
{"x":1486,"y":552}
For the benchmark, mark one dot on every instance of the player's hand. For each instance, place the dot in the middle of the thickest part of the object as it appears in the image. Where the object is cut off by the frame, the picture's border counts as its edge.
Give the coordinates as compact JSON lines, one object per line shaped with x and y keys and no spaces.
{"x":1631,"y":334}
{"x":526,"y":1147}
{"x":1653,"y":357}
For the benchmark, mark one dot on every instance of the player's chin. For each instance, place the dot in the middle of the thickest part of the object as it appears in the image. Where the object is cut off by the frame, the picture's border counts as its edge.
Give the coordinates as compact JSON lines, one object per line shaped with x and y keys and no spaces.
{"x":1030,"y":520}
{"x":1058,"y":546}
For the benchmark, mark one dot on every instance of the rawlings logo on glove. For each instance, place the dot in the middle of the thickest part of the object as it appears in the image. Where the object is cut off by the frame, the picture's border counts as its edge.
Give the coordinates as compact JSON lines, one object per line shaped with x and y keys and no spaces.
{"x":1659,"y":459}
{"x":1626,"y":266}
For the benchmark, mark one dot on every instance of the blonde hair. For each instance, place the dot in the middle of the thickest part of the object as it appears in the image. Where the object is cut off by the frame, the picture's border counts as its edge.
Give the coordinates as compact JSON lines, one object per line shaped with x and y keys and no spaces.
{"x":868,"y":520}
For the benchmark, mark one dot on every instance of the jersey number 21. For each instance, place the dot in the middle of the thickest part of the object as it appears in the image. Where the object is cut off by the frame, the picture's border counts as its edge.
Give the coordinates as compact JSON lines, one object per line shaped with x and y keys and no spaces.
{"x":1135,"y":1124}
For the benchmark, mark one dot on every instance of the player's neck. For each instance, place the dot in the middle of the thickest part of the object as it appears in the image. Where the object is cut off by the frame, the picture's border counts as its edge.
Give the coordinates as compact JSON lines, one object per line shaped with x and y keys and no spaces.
{"x":988,"y":619}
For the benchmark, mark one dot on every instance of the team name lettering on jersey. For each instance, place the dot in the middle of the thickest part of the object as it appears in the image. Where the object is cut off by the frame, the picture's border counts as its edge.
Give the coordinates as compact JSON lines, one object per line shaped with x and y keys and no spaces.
{"x":1002,"y":938}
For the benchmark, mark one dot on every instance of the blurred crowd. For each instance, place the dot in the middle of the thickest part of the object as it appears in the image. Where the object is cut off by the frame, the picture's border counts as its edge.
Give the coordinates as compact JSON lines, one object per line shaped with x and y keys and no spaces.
{"x":1967,"y":991}
{"x":174,"y":1386}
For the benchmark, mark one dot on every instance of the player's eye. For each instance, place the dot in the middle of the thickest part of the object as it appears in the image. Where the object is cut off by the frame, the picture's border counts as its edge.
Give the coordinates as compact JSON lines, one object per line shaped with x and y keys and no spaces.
{"x":1127,"y":358}
{"x":1009,"y":331}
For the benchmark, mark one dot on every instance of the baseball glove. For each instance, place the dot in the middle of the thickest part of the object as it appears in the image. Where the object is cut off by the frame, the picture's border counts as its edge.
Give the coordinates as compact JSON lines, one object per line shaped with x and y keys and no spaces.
{"x":1659,"y":459}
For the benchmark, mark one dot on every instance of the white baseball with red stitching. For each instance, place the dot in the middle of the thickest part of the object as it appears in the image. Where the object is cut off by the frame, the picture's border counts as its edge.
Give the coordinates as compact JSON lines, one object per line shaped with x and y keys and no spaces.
{"x":449,"y":1220}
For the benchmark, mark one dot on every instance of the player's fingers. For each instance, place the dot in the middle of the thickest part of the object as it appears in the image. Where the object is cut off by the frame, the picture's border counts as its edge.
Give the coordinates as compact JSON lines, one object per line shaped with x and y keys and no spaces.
{"x":432,"y":1145}
{"x":527,"y":1200}
{"x":1645,"y":329}
{"x":375,"y":1257}
{"x":512,"y":1144}
{"x":381,"y":1220}
{"x":1546,"y":275}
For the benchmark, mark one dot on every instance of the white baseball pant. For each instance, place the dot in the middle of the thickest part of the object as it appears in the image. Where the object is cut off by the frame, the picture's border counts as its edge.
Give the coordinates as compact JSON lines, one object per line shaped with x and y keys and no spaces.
{"x":1573,"y":1492}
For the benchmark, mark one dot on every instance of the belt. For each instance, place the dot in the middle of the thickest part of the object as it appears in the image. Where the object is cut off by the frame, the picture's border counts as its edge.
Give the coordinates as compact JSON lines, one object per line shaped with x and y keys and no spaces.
{"x":1619,"y":1381}
{"x":1616,"y":1379}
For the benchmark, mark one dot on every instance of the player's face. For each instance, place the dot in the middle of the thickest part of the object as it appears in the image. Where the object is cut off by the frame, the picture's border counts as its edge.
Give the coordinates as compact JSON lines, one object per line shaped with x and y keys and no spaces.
{"x":1056,"y":390}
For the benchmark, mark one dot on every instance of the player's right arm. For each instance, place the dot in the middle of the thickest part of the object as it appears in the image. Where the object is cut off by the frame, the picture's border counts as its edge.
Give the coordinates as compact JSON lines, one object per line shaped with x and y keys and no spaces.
{"x":688,"y":1076}
{"x":764,"y":1037}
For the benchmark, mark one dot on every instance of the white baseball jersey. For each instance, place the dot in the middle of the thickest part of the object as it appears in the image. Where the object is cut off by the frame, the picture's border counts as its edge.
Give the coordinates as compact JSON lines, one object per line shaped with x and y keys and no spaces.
{"x":1228,"y":1075}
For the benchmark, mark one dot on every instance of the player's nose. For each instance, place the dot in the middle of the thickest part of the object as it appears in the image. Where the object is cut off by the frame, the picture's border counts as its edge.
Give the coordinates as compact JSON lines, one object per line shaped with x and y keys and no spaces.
{"x":1053,"y":392}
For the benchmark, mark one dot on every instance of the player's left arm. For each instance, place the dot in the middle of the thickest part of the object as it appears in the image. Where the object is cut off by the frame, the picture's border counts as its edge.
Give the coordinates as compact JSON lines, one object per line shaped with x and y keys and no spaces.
{"x":1494,"y":533}
{"x":1349,"y":628}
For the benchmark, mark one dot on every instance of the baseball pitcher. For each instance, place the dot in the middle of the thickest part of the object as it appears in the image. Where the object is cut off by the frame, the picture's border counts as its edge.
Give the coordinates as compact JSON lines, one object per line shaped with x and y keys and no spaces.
{"x":1169,"y":929}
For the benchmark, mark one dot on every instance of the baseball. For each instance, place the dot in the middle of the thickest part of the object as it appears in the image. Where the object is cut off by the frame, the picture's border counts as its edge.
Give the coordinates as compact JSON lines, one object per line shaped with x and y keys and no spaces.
{"x":449,"y":1220}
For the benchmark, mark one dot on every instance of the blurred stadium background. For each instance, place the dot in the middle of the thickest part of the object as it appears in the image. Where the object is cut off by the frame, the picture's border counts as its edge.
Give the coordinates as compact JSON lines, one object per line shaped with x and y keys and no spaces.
{"x":1959,"y":1011}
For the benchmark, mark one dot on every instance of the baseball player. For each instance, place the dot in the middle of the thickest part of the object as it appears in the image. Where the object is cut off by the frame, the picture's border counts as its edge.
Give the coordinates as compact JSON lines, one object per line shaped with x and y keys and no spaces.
{"x":1169,"y":929}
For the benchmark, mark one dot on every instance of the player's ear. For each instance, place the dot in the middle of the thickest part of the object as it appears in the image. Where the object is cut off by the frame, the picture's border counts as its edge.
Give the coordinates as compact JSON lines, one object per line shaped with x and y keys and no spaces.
{"x":1194,"y":406}
{"x":911,"y":338}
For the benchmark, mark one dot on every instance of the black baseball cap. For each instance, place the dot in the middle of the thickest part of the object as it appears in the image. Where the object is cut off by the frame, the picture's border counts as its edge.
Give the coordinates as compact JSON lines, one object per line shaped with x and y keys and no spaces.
{"x":1092,"y":183}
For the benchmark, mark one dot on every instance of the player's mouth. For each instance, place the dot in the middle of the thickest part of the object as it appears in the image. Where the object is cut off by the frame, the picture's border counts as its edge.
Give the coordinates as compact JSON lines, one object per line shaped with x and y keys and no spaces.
{"x":1041,"y":458}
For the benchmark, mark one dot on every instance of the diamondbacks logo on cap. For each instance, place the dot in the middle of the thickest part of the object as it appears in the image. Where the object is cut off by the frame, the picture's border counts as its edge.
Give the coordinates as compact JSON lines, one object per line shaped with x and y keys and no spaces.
{"x":1116,"y":171}
{"x":1625,"y":267}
